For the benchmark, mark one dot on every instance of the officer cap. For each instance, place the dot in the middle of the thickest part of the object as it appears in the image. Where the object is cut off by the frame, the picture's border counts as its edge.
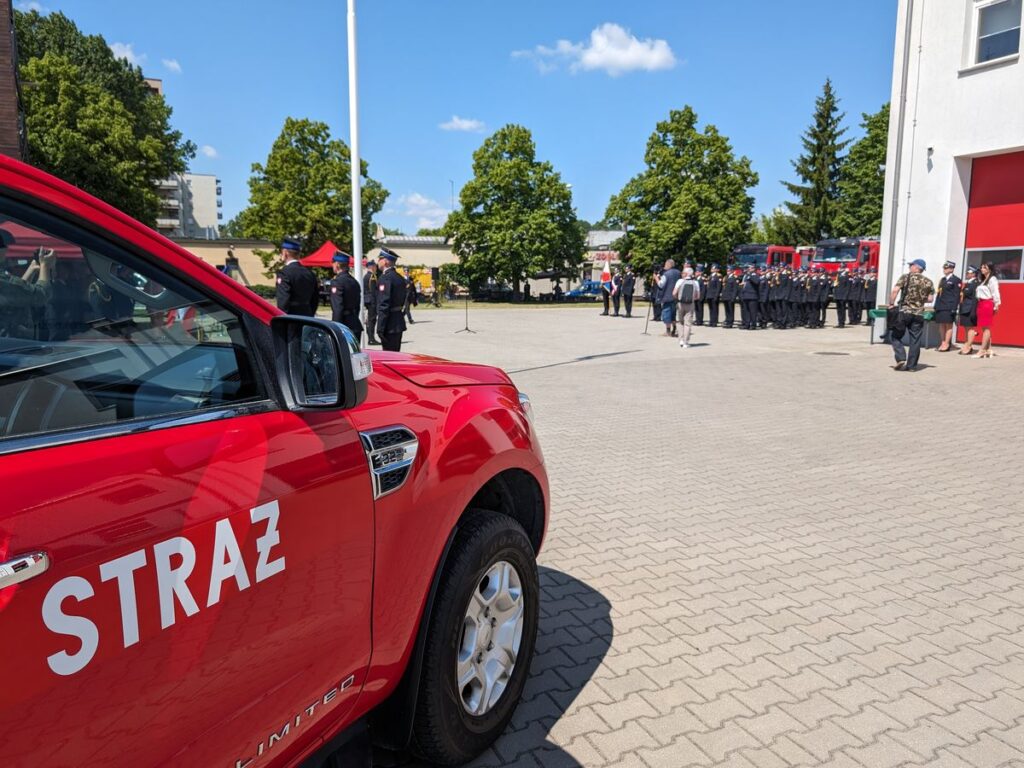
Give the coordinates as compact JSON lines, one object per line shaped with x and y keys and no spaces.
{"x":949,"y":265}
{"x":804,"y":269}
{"x":389,"y":255}
{"x":700,"y":267}
{"x":291,"y":244}
{"x":6,"y":238}
{"x":371,"y":263}
{"x":970,"y":270}
{"x":919,"y":263}
{"x":341,"y":258}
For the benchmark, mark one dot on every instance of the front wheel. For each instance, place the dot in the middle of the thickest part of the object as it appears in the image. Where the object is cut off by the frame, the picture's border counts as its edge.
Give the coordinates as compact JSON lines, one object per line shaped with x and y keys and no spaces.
{"x":480,"y":640}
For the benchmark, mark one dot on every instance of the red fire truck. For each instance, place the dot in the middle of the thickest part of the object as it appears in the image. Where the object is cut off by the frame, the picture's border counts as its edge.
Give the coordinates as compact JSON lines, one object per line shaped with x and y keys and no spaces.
{"x":763,"y":255}
{"x":848,"y":252}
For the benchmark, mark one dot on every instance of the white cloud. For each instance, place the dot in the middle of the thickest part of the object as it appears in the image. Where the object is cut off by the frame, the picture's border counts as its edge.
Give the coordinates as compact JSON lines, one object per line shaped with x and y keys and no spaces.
{"x":462,"y":124}
{"x":172,"y":65}
{"x":612,"y":48}
{"x":127,"y":51}
{"x":32,"y":6}
{"x":428,"y":213}
{"x":207,"y":151}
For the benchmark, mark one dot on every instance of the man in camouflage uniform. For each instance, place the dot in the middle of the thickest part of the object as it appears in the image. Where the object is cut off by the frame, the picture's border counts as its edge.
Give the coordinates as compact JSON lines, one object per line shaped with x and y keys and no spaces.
{"x":917,"y":290}
{"x":19,"y":295}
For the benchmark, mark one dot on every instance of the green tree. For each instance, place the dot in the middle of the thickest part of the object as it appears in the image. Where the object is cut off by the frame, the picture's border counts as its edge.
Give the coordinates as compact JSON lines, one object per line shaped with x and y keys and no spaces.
{"x":516,"y":215}
{"x":304,"y":190}
{"x":862,"y":183}
{"x":819,"y":169}
{"x":775,"y":228}
{"x":91,"y":119}
{"x":430,"y":232}
{"x":691,"y":201}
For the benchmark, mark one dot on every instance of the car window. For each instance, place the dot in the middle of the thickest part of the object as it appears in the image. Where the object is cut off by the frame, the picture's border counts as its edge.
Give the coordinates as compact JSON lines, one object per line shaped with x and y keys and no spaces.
{"x":91,"y":335}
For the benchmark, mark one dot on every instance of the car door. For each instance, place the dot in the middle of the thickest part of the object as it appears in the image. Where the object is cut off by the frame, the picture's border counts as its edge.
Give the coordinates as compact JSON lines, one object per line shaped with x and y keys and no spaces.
{"x":188,"y":565}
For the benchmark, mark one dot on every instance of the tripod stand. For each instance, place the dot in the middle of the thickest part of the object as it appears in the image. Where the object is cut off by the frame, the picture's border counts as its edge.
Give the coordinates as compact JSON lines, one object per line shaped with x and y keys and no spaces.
{"x":650,"y":311}
{"x":466,"y":329}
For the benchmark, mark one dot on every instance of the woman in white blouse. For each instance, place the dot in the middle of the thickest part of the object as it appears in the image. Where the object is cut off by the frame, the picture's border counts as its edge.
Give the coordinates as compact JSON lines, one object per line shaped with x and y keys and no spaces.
{"x":988,"y":305}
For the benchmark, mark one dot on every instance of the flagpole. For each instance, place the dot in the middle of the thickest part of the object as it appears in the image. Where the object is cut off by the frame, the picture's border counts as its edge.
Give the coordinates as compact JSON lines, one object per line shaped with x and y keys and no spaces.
{"x":353,"y":128}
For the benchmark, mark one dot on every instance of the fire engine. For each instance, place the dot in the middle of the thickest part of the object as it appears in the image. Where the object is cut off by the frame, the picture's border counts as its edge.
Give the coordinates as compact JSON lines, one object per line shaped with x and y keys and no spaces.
{"x":763,"y":255}
{"x":232,"y":538}
{"x":847,"y":252}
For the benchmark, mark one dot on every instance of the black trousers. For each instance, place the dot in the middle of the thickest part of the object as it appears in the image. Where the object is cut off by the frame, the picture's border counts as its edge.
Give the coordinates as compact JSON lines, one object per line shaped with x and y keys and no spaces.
{"x":823,"y":309}
{"x":730,"y":313}
{"x":628,"y":301}
{"x":615,"y":302}
{"x":841,"y":312}
{"x":915,"y":329}
{"x":391,"y":342}
{"x":371,"y":322}
{"x":604,"y":298}
{"x":713,"y":313}
{"x":698,"y":312}
{"x":856,"y":307}
{"x":762,"y":313}
{"x":750,"y":314}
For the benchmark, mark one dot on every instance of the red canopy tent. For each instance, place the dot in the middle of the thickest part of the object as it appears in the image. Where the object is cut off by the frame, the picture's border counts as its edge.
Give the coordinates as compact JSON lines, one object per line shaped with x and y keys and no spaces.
{"x":322,"y":256}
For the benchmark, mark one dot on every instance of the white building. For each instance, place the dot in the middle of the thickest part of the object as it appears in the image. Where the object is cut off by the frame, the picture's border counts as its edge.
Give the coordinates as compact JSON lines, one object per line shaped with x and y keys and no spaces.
{"x":954,"y":184}
{"x":190,"y":206}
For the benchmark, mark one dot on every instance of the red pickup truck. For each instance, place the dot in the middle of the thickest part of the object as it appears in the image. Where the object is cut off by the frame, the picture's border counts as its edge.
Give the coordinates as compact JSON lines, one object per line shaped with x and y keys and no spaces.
{"x":229,"y":537}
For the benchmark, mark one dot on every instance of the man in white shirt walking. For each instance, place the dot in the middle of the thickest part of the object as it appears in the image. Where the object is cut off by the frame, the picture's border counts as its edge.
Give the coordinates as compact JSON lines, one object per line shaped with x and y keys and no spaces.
{"x":686,"y":294}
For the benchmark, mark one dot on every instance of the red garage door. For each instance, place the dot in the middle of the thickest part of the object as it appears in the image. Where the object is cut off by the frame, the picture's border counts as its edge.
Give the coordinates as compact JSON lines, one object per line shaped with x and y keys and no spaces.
{"x":995,"y":233}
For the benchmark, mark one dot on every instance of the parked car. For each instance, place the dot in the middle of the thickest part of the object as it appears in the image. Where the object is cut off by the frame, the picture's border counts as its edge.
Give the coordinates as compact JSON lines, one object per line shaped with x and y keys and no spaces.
{"x":589,"y":289}
{"x":229,"y":537}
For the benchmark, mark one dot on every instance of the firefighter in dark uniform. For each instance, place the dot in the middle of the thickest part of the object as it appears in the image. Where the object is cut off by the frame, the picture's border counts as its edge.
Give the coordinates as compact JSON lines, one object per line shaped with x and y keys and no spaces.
{"x":628,"y":288}
{"x":391,"y":292}
{"x":730,"y":293}
{"x":764,"y":289}
{"x":411,"y":296}
{"x":797,"y":296}
{"x":370,"y":299}
{"x":698,"y":306}
{"x":714,"y":295}
{"x":867,"y":299}
{"x":853,"y":307}
{"x":345,"y":298}
{"x":841,"y":292}
{"x":748,"y":296}
{"x":617,"y":292}
{"x":782,"y":285}
{"x":297,"y":289}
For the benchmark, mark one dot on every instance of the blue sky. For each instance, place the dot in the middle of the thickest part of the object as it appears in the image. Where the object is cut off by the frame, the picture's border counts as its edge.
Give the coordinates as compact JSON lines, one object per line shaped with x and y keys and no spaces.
{"x":589,"y":78}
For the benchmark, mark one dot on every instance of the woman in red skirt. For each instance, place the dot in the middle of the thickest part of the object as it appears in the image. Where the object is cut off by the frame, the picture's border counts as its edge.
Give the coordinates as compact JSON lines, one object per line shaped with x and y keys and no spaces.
{"x":988,"y":305}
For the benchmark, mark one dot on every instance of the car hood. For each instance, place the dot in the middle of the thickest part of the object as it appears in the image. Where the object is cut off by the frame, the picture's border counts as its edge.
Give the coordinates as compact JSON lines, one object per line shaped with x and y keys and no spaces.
{"x":426,"y":371}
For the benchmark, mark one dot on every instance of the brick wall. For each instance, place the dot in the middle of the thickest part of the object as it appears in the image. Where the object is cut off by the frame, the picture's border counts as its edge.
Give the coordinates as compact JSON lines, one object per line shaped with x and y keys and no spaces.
{"x":10,"y":140}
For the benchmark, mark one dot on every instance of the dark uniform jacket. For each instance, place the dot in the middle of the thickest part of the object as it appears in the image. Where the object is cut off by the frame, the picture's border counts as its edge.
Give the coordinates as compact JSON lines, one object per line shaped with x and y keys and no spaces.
{"x":628,"y":285}
{"x":297,"y":290}
{"x":842,"y":289}
{"x":714,"y":288}
{"x":764,"y":288}
{"x":345,"y":301}
{"x":970,"y":303}
{"x":391,"y":292}
{"x":370,"y":297}
{"x":749,"y":291}
{"x":730,"y":288}
{"x":949,"y":293}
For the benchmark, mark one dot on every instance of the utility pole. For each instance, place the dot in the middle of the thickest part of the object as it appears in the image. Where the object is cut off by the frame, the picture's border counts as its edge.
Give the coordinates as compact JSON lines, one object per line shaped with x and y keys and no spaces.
{"x":12,"y":134}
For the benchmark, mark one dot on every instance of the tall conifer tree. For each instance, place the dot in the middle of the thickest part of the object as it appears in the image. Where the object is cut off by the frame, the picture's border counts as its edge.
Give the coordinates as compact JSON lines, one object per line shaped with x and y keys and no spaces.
{"x":819,"y":169}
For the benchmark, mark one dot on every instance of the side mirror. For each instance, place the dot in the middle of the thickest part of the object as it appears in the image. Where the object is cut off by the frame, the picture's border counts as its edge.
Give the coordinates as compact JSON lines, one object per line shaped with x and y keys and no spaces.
{"x":318,"y":363}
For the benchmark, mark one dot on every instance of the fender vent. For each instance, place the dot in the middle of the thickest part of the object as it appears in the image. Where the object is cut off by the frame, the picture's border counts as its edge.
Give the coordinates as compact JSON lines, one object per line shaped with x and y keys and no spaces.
{"x":390,"y":452}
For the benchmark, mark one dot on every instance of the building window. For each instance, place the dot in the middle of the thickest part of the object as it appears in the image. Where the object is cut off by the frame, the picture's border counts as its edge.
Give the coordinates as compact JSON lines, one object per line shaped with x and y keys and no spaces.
{"x":1006,"y":262}
{"x":998,"y":29}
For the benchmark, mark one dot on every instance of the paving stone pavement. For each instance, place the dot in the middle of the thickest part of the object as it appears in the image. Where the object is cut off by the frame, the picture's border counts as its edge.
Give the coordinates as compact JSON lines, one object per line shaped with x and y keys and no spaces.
{"x":761,"y":555}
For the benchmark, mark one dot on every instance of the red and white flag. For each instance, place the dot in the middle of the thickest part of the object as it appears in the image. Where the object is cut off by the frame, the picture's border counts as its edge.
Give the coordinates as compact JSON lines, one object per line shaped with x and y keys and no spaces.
{"x":606,"y":276}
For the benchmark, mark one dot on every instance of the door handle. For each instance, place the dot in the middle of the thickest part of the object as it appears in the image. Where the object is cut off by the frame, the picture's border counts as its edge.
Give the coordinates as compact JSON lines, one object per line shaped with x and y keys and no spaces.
{"x":23,"y":568}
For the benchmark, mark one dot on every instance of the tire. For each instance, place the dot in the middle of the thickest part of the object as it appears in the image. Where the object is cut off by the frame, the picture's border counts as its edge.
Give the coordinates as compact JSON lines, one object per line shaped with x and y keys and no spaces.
{"x":445,"y":732}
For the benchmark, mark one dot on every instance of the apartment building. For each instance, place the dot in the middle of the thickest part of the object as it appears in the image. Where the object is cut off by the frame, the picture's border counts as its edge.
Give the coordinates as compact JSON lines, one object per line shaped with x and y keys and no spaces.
{"x":190,"y":206}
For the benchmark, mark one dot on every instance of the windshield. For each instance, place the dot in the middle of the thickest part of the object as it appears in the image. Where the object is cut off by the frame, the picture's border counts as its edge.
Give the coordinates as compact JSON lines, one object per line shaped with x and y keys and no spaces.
{"x":758,"y":258}
{"x":833,"y":253}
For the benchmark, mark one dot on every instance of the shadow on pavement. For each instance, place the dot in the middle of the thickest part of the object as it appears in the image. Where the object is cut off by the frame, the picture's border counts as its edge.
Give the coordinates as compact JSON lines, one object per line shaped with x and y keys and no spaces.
{"x":574,"y":635}
{"x":575,"y":360}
